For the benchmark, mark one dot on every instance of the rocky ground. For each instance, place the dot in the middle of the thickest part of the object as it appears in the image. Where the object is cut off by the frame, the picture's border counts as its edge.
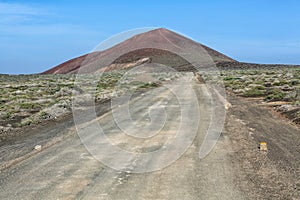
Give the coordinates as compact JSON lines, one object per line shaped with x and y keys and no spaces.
{"x":264,"y":108}
{"x":271,"y":174}
{"x":28,"y":100}
{"x":31,"y":99}
{"x":278,"y":88}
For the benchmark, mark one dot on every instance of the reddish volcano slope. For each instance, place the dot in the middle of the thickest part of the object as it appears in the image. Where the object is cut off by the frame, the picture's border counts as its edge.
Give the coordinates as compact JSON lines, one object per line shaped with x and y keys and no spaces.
{"x":161,"y":36}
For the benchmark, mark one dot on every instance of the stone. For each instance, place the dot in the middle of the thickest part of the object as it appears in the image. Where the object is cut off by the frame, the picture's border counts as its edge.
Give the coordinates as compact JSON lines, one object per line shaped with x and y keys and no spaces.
{"x":38,"y":147}
{"x":263,"y":146}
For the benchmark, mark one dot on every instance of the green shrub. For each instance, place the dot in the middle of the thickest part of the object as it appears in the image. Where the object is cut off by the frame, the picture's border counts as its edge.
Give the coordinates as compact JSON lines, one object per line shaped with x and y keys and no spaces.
{"x":6,"y":116}
{"x":29,"y":106}
{"x":294,"y":82}
{"x":149,"y":85}
{"x":260,"y":87}
{"x":26,"y":122}
{"x":275,"y":95}
{"x":280,"y":83}
{"x":44,"y":115}
{"x":254,"y":92}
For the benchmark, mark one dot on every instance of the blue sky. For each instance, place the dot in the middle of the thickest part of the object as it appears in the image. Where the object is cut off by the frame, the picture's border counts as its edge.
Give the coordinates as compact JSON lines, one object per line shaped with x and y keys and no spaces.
{"x":37,"y":35}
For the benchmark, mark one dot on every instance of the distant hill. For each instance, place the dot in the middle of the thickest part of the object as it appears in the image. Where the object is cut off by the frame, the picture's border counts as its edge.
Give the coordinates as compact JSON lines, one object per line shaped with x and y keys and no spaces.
{"x":134,"y":58}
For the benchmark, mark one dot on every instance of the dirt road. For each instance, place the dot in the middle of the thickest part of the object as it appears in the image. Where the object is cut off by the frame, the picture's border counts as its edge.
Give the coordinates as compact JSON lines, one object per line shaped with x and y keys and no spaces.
{"x":67,"y":170}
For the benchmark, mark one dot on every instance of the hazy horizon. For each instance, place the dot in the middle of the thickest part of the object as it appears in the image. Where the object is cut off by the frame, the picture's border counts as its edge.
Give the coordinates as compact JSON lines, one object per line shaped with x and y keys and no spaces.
{"x":37,"y":36}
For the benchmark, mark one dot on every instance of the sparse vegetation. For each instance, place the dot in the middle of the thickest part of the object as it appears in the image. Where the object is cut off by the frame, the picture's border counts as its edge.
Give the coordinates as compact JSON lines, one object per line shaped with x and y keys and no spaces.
{"x":273,"y":84}
{"x":268,"y":84}
{"x":149,"y":85}
{"x":31,"y":99}
{"x":254,"y":92}
{"x":24,"y":97}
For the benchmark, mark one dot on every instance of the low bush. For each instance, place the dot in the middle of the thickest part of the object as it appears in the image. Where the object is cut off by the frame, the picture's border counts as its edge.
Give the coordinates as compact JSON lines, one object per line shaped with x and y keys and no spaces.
{"x":254,"y":92}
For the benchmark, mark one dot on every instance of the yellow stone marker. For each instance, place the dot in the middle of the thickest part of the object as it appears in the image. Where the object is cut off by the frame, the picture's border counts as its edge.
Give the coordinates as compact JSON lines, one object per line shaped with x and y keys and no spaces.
{"x":263,"y":146}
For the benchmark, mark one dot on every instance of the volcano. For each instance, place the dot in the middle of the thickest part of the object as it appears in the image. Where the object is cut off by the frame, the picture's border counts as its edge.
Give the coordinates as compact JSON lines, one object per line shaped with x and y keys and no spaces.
{"x":145,"y":55}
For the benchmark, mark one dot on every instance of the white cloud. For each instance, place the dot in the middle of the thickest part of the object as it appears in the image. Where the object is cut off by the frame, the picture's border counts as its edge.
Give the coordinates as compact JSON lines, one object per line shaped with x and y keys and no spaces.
{"x":45,"y":29}
{"x":14,"y":19}
{"x":13,"y":14}
{"x":18,"y":9}
{"x":23,"y":20}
